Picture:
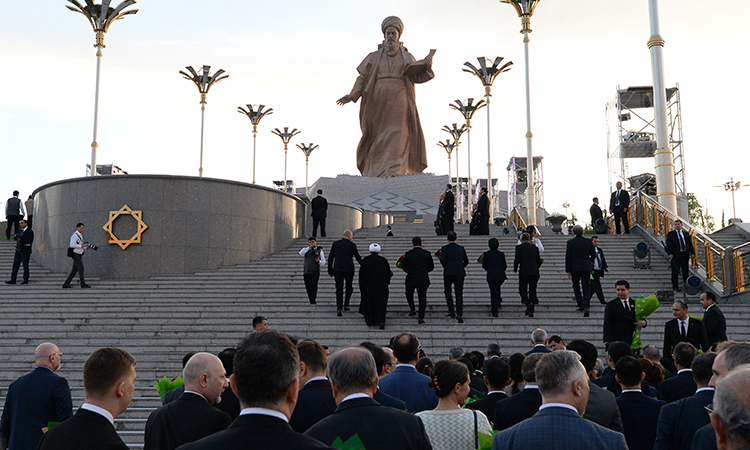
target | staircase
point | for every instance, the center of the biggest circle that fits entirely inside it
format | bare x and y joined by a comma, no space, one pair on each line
159,319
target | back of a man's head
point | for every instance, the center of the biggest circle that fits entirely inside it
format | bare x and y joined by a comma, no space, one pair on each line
731,405
406,347
651,353
539,336
314,356
205,374
452,236
528,367
703,368
104,369
684,354
578,230
617,350
556,372
586,350
629,371
416,241
497,373
493,350
378,355
455,353
227,359
265,366
353,370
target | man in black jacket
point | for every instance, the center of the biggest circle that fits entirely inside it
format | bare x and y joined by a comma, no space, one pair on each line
596,213
618,204
683,329
483,213
417,264
496,377
341,267
453,259
448,210
680,249
713,320
493,261
24,239
319,207
579,257
315,400
523,405
619,316
527,259
600,266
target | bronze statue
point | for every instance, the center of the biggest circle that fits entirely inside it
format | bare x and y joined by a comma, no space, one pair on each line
392,142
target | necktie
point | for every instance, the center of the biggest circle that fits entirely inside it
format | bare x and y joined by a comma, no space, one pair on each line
617,198
626,305
682,329
682,241
598,259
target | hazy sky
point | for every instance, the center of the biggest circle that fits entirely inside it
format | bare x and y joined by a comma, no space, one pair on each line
298,57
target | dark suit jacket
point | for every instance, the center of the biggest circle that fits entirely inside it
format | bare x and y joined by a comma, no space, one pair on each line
538,349
184,420
256,431
340,257
715,325
696,335
596,212
411,387
602,408
493,261
453,258
315,401
417,264
640,414
558,428
27,238
609,382
579,255
528,259
33,400
388,400
483,206
487,405
619,323
86,430
516,408
319,206
704,438
174,394
448,206
672,243
377,426
604,261
230,404
679,386
679,421
624,200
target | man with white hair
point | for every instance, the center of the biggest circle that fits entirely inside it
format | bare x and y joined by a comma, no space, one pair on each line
192,416
563,383
731,412
34,400
374,278
539,339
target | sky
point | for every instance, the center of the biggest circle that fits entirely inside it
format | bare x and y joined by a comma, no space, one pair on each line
298,57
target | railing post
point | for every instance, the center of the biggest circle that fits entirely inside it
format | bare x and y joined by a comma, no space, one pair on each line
739,270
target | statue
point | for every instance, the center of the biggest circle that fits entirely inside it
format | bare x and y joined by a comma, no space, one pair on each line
392,142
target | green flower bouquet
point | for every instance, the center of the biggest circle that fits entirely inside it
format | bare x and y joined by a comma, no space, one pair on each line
644,306
165,385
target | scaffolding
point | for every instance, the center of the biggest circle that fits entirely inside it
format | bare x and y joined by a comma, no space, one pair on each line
517,183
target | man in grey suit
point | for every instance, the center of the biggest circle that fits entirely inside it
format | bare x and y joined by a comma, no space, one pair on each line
563,383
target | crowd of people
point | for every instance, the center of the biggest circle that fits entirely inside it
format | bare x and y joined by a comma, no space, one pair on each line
276,391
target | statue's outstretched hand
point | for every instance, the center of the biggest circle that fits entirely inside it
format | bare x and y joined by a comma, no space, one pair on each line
344,100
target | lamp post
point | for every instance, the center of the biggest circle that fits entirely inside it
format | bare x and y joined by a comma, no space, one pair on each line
448,146
203,82
525,9
285,136
468,111
255,116
732,186
307,149
486,75
455,131
100,17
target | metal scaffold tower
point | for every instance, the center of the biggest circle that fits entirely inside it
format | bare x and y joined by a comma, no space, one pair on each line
517,183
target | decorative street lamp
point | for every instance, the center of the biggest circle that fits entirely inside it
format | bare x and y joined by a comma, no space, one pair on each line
307,149
448,146
732,185
204,81
456,133
100,17
486,75
285,136
468,111
255,116
525,8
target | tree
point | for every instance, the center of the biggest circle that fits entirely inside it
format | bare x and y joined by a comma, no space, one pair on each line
697,217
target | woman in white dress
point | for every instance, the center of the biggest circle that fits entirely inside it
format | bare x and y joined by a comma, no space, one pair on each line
448,426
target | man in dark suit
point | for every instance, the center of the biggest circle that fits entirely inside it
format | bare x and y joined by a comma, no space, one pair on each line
34,400
24,239
404,382
381,361
713,320
601,407
528,260
683,329
639,411
619,316
539,340
680,249
266,380
315,399
596,213
176,393
558,424
190,417
454,260
374,278
319,207
448,207
341,267
600,266
360,418
682,384
678,421
496,377
579,257
483,213
614,352
523,405
619,204
417,264
493,261
229,403
109,383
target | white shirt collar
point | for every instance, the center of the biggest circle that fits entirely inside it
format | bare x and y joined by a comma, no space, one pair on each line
559,405
540,345
315,379
355,395
684,370
196,393
405,365
495,392
631,390
531,386
704,389
98,410
709,306
265,412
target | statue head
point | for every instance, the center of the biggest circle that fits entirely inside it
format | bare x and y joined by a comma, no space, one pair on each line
392,28
392,21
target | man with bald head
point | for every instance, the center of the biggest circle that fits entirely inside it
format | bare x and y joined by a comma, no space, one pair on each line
192,416
34,400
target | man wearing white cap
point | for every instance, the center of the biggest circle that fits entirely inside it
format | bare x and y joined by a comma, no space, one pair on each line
374,278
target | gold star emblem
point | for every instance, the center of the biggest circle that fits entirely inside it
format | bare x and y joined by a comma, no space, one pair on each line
125,210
